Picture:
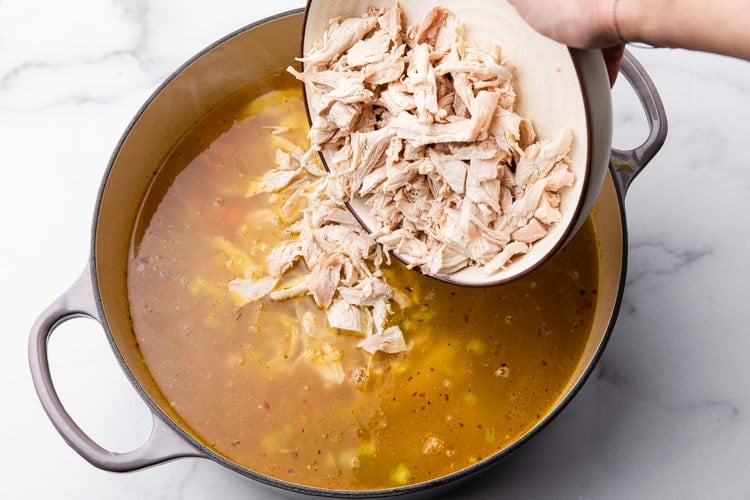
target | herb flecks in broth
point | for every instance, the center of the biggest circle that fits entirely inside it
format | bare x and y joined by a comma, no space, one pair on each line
271,386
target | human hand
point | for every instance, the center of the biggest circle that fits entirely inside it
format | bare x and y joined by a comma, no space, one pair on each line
584,24
688,24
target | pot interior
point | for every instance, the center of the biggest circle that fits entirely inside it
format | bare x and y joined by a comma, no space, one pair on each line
197,88
608,217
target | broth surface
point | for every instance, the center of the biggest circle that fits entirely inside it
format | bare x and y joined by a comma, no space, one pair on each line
485,365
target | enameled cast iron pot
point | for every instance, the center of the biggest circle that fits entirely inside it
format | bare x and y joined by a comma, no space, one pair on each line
101,292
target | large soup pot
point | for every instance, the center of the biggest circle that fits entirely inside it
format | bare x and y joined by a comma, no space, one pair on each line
101,292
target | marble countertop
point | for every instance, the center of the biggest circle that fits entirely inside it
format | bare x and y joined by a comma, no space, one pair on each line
665,413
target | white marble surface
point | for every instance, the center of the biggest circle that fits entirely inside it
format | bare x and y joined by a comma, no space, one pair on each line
666,413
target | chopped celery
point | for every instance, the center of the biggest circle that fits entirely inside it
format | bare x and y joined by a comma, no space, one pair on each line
471,399
424,313
401,474
198,286
366,449
276,441
476,346
489,434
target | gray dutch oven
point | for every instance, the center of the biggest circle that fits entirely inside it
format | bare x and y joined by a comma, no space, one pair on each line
101,293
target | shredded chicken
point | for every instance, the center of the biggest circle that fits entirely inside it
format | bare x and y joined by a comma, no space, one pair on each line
421,122
424,126
340,259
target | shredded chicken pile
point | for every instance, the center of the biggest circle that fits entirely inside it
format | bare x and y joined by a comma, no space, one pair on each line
421,123
341,260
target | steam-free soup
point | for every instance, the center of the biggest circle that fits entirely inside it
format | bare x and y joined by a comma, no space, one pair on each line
258,382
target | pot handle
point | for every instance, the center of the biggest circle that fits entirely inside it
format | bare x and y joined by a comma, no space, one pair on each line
629,163
163,444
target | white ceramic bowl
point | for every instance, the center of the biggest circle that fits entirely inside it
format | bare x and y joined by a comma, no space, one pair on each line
557,88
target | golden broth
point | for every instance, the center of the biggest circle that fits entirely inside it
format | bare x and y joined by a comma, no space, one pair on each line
484,365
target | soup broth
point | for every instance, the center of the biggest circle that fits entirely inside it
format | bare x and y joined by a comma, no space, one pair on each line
259,383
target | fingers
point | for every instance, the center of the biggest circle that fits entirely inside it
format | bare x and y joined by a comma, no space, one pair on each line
585,24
